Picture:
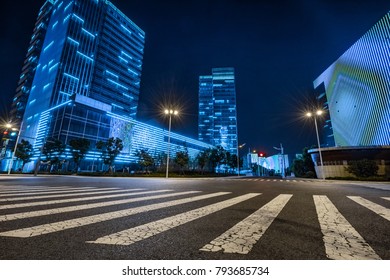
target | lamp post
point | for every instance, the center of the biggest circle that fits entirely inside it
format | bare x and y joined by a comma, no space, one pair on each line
238,158
318,113
8,125
169,112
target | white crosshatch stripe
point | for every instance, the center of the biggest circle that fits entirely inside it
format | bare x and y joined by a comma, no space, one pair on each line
65,190
241,237
38,190
387,198
63,194
132,235
58,201
376,208
74,223
30,214
341,240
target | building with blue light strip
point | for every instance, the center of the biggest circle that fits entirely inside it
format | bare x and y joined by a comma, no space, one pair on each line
86,82
217,122
355,91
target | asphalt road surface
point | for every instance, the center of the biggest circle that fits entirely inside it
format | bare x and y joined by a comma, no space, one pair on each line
69,217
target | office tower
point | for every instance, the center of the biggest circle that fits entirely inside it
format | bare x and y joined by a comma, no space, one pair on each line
356,90
86,82
30,63
91,59
217,123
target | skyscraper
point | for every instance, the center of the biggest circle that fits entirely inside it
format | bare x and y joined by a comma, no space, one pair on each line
91,54
217,123
356,90
84,70
31,61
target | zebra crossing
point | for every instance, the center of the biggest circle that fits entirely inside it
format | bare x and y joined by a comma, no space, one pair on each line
20,203
257,179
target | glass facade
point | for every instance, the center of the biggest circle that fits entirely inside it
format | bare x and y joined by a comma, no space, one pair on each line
217,123
86,81
31,61
357,91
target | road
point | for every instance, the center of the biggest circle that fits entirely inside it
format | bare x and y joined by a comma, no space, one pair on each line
73,217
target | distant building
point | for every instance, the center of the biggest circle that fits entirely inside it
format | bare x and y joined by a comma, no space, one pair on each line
217,123
81,79
355,90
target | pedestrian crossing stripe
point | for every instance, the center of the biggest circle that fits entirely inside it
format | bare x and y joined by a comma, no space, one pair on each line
341,240
376,208
122,193
64,194
24,189
132,235
53,211
241,237
88,220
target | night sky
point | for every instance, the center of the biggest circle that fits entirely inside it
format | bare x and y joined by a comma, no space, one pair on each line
276,47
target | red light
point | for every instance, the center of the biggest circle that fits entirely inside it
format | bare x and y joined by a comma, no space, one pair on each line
261,154
5,132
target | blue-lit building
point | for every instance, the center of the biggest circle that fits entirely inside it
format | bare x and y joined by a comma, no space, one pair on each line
86,82
355,91
217,122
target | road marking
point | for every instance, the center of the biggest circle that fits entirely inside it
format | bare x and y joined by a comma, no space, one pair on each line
61,194
341,240
376,208
243,236
63,190
387,198
36,189
73,223
16,216
50,202
132,235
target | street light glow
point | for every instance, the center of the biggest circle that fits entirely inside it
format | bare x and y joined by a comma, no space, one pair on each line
319,112
8,125
166,112
309,114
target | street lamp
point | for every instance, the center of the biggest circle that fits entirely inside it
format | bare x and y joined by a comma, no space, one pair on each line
169,112
318,113
238,158
8,125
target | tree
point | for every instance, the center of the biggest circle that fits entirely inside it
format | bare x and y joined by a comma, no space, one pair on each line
304,166
232,161
53,149
80,147
145,159
217,156
24,152
363,168
203,159
110,150
182,159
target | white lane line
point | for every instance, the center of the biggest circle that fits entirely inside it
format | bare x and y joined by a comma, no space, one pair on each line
376,208
132,235
50,202
16,216
243,236
65,190
341,240
40,190
63,194
74,223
